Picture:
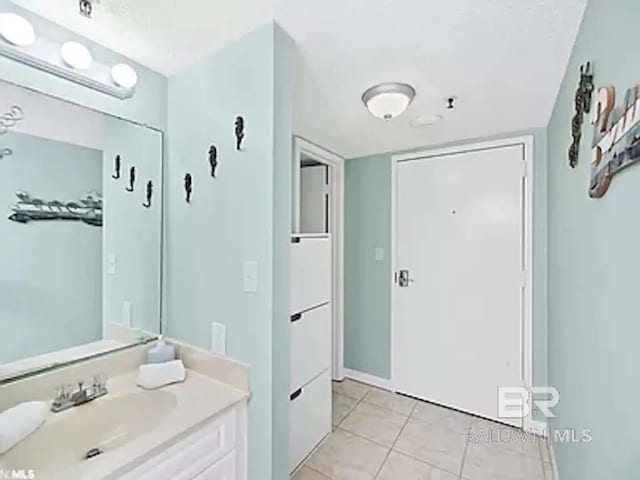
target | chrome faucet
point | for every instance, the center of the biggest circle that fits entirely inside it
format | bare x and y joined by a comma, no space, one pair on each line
67,398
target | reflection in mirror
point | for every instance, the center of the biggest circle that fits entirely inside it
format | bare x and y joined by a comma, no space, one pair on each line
80,256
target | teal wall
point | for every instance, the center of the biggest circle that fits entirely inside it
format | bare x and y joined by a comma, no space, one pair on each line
594,265
147,106
39,313
284,62
367,321
238,216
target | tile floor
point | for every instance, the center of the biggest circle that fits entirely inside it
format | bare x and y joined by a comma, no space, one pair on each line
384,436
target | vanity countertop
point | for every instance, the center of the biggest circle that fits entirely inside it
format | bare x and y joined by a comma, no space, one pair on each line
181,409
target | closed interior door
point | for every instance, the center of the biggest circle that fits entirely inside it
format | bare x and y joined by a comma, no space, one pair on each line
458,321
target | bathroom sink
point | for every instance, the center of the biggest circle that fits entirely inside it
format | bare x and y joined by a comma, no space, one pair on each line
97,427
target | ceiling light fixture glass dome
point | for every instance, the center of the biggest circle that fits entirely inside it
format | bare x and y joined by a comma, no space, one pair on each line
16,30
124,75
388,100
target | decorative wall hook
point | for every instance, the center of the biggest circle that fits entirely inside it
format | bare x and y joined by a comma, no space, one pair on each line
582,104
86,9
450,103
239,132
147,204
117,166
5,152
213,159
132,179
9,119
188,182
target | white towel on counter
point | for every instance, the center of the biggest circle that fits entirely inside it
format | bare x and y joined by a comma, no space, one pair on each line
20,421
156,375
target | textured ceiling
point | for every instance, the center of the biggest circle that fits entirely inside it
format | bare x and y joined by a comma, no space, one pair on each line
503,59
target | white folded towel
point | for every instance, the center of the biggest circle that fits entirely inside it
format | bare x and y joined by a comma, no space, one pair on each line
21,421
156,375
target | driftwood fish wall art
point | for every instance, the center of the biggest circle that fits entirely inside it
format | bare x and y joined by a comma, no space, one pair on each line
188,187
616,141
31,209
213,159
239,132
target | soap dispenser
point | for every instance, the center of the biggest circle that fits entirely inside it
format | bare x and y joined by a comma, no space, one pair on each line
161,352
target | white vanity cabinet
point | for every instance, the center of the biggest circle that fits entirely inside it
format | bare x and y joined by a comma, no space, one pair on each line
215,450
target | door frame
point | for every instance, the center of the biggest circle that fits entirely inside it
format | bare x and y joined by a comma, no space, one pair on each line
336,164
527,141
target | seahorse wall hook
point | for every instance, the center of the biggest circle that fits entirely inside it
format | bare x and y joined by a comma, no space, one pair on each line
117,166
132,179
213,159
188,182
239,132
147,204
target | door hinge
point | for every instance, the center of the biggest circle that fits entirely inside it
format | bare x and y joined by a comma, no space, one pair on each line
523,278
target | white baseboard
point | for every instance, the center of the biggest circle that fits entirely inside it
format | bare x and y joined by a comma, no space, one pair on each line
554,465
369,379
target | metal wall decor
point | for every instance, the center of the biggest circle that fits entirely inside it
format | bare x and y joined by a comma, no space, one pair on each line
86,9
117,166
582,103
132,179
188,187
616,140
30,209
147,203
239,132
5,152
10,118
213,159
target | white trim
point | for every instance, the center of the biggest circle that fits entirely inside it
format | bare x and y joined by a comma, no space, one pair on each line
301,146
369,379
554,463
527,297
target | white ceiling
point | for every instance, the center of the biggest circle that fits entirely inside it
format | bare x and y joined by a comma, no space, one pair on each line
504,59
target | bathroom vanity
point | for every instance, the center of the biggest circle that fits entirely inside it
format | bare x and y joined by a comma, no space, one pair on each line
191,430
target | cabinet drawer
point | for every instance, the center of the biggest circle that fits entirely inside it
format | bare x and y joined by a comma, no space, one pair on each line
183,460
311,267
225,469
310,420
310,345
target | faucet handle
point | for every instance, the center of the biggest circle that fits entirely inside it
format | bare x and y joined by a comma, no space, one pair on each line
63,392
99,381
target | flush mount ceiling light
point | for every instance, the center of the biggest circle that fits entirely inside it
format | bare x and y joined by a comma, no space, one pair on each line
16,30
124,76
76,55
388,100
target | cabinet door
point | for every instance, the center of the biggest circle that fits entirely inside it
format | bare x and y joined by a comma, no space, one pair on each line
310,345
225,469
311,267
310,422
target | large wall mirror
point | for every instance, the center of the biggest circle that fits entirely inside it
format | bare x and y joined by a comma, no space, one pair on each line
80,232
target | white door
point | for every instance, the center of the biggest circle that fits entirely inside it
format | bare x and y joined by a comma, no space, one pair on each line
457,333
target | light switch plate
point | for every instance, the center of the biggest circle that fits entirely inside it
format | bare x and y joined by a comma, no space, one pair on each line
218,338
250,275
379,254
111,263
126,313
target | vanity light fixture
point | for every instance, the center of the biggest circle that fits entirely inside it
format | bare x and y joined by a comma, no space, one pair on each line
388,100
71,61
16,30
76,55
124,76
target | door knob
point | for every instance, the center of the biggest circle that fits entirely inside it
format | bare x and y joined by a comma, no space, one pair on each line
403,278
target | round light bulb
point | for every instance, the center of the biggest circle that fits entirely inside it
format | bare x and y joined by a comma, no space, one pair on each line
124,75
76,55
16,30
